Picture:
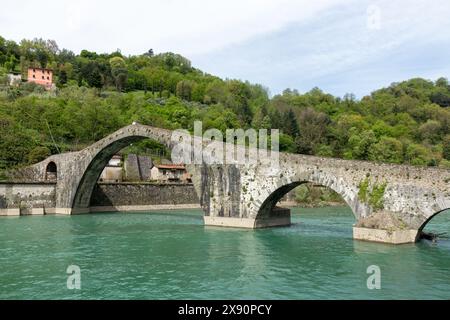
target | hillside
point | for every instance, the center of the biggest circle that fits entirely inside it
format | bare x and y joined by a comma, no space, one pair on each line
407,122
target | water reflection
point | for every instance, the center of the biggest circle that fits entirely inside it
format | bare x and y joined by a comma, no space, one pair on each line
164,255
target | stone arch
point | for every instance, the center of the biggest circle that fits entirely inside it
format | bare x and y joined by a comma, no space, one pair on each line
283,186
51,171
424,224
94,169
101,152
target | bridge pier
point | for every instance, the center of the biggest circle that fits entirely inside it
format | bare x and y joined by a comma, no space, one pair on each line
247,223
387,227
67,211
281,217
386,236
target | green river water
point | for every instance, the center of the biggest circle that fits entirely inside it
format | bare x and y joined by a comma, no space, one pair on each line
171,255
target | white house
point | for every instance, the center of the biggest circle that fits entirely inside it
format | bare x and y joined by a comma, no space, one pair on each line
170,172
14,79
113,170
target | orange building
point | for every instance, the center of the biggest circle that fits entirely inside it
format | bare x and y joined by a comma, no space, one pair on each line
41,76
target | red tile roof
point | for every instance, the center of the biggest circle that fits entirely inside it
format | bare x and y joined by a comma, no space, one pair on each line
171,166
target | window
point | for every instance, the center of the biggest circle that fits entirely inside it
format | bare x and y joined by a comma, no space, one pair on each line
51,172
43,77
48,78
34,76
34,70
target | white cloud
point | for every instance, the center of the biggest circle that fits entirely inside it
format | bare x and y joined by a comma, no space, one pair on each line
189,27
347,42
340,44
279,43
73,17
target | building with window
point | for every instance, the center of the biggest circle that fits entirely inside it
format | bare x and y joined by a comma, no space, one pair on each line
170,173
14,79
113,170
41,76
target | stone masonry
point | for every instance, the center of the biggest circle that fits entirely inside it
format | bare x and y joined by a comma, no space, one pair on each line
396,199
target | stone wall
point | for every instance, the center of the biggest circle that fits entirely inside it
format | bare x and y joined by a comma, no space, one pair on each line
26,198
135,194
39,198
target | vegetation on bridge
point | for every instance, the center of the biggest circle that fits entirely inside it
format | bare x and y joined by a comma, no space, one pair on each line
372,193
407,122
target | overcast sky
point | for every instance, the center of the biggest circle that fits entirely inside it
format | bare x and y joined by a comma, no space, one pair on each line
339,46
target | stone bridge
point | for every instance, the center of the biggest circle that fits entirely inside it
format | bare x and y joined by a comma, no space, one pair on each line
391,203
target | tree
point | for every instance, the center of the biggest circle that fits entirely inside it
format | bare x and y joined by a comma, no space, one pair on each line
16,143
360,144
215,92
417,154
184,89
38,154
276,119
442,82
238,100
324,150
286,143
42,57
119,72
441,99
312,130
10,65
65,56
446,147
62,79
387,150
91,74
261,119
266,123
430,131
290,124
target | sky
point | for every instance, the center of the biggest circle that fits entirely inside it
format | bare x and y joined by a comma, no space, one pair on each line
340,46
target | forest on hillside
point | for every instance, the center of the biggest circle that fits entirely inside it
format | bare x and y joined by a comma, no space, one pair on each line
407,122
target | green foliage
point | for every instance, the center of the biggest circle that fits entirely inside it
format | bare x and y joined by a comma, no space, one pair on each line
360,144
290,124
446,147
407,122
38,154
309,194
148,147
324,150
312,130
184,89
372,193
387,150
118,71
287,144
363,192
417,154
15,142
376,196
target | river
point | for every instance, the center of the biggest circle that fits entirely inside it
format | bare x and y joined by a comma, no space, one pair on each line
171,255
